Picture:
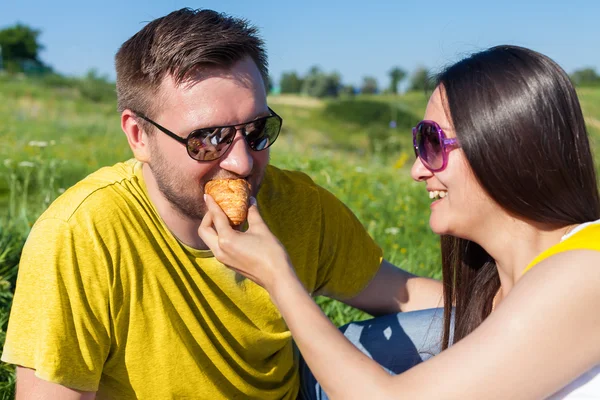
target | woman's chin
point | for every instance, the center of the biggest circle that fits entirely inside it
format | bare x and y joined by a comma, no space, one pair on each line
438,227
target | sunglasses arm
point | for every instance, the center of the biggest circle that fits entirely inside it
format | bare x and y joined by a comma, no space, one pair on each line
164,130
450,144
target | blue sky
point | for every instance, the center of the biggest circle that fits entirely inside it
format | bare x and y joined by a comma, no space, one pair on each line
355,38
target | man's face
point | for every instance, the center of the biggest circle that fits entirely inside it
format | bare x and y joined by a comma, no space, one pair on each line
208,99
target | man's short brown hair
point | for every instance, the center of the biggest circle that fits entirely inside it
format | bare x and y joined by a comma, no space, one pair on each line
178,44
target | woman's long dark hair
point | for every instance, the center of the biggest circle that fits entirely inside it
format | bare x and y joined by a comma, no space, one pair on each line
520,126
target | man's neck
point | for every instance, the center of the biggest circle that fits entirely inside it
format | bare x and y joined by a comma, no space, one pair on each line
182,227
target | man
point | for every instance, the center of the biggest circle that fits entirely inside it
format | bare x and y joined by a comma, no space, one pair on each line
117,296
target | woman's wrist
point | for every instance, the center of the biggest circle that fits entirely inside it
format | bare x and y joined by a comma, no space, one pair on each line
282,280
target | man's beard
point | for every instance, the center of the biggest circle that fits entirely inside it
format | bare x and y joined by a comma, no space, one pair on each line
190,203
176,192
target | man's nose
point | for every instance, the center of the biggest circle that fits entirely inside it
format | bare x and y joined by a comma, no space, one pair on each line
238,158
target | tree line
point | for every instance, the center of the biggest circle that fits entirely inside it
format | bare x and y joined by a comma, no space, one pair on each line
20,53
317,83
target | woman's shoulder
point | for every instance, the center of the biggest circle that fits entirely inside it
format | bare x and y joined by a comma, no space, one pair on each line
573,261
576,255
571,276
577,252
568,274
560,295
584,238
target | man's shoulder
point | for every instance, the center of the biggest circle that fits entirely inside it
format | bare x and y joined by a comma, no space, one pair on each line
283,188
277,177
96,193
293,195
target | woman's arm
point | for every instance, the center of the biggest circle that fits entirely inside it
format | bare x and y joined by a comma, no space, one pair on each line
29,386
542,336
343,371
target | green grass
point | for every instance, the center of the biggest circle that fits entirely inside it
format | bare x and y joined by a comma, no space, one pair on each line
53,137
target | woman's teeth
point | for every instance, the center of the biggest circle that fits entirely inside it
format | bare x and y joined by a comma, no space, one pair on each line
437,194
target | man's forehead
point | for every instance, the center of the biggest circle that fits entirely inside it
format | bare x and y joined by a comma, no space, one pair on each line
211,98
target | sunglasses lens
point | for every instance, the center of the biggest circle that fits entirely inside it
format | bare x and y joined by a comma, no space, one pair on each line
209,144
261,133
429,145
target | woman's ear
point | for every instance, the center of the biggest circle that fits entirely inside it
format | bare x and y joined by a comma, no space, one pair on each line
136,136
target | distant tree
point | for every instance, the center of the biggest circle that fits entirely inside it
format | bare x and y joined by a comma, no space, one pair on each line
347,90
290,82
313,81
397,75
314,70
369,85
421,79
585,77
335,83
20,47
319,84
96,87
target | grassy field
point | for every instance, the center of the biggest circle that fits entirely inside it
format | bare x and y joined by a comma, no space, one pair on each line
53,137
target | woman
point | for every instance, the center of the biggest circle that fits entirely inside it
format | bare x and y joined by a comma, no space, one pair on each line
504,153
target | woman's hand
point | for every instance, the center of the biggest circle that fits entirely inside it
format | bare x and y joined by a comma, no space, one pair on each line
256,253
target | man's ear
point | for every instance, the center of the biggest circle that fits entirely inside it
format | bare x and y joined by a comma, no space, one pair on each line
136,136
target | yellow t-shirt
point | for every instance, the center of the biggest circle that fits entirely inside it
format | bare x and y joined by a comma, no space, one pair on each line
108,300
584,237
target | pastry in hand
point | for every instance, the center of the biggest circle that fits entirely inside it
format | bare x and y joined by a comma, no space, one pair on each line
232,196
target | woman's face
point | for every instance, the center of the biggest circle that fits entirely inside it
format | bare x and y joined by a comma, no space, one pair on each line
459,204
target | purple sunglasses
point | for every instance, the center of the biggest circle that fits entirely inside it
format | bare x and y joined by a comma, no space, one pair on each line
432,146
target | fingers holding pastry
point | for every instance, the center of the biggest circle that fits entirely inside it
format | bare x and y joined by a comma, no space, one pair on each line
232,196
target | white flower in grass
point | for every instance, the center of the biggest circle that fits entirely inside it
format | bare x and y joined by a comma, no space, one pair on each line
392,231
52,142
61,190
7,162
26,164
38,143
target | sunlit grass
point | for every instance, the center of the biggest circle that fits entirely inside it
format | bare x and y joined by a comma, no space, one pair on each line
52,138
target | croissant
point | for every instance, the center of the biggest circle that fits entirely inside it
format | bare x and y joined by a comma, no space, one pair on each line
232,196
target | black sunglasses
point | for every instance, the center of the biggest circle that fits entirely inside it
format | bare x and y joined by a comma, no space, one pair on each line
208,144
